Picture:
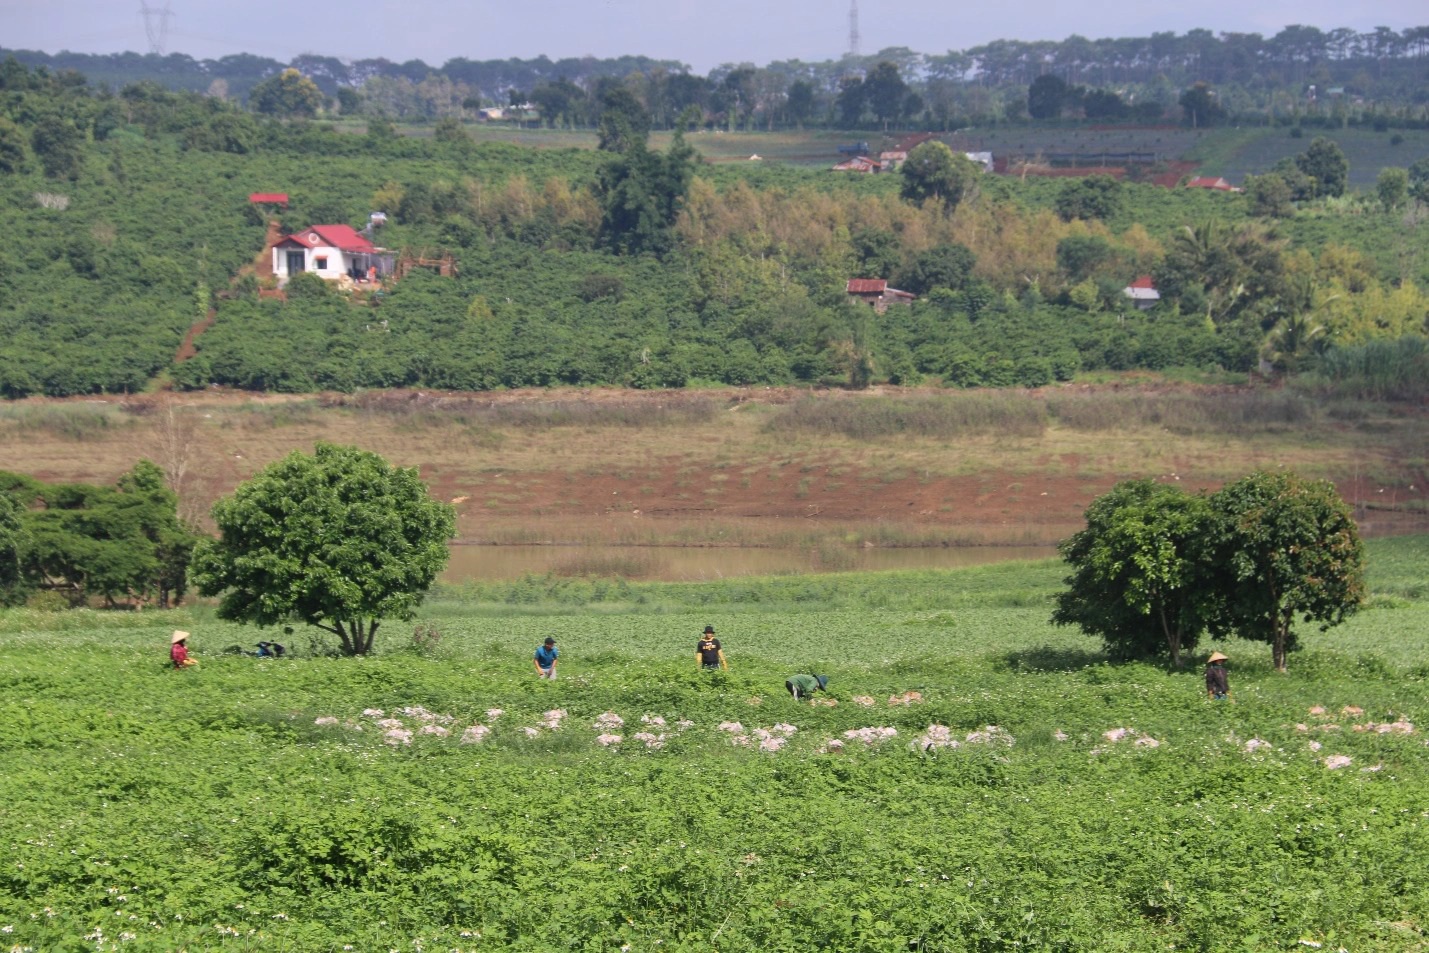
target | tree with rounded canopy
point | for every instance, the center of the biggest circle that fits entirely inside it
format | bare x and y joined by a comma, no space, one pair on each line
885,92
1139,570
933,171
1046,96
288,93
1286,547
338,539
1325,162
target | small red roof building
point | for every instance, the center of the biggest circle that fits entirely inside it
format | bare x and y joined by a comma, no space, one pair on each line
1206,182
866,286
875,291
1143,292
269,198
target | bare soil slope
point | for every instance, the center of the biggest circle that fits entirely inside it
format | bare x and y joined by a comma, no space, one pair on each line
632,473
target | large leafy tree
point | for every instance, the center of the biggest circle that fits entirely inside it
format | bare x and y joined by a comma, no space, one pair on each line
1091,197
11,537
933,171
1139,570
1325,163
642,191
886,92
120,542
1199,107
288,93
1287,547
1046,97
59,144
337,539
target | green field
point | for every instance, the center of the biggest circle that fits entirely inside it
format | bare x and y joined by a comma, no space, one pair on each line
261,805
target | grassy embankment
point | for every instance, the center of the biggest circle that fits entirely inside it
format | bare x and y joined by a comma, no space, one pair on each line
1113,807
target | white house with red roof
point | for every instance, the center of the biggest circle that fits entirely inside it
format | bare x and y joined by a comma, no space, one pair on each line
330,251
1143,292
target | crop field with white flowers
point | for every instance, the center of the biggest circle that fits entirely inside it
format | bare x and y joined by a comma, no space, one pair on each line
974,780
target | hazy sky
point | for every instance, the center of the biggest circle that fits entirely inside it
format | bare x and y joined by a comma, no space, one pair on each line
700,34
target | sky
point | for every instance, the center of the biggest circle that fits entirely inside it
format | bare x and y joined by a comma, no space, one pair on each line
702,35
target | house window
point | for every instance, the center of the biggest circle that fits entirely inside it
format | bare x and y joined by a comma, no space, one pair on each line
320,264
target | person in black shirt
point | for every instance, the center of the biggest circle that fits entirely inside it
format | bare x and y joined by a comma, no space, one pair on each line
708,652
1217,685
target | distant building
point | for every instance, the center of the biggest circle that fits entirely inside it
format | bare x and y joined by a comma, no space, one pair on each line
859,164
279,199
1206,182
983,159
329,251
1143,293
876,293
892,160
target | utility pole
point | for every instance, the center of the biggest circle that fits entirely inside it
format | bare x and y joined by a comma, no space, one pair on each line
156,25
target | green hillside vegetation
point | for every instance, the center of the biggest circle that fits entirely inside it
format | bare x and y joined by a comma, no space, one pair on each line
976,786
632,265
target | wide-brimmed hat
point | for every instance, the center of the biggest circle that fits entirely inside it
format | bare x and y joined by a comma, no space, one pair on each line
1217,657
709,630
178,636
823,681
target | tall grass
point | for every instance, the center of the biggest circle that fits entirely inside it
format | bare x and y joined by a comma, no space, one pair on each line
474,412
1233,412
1379,370
1022,414
75,422
939,416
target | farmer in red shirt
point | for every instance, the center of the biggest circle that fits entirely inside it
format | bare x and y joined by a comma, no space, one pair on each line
179,651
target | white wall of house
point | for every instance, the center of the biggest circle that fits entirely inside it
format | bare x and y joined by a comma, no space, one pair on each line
323,260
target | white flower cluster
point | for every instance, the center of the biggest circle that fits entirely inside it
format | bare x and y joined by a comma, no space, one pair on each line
1117,735
765,739
871,736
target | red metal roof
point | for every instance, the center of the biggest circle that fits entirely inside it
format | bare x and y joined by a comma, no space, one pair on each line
335,236
866,286
269,198
1143,282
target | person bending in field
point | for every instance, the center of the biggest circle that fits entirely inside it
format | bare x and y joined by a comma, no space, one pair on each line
546,657
1217,684
804,686
179,650
708,652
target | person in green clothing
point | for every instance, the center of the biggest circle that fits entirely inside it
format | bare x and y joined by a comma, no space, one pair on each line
803,686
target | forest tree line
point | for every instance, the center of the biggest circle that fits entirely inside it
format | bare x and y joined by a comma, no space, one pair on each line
1299,71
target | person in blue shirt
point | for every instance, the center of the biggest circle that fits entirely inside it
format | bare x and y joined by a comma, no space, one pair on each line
546,656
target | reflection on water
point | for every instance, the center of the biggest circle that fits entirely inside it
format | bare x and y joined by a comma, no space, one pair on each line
680,564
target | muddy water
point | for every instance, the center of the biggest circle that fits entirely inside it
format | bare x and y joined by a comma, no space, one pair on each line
697,563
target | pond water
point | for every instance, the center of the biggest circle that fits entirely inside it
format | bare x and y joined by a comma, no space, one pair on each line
685,564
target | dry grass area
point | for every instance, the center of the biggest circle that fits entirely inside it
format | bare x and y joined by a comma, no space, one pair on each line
753,467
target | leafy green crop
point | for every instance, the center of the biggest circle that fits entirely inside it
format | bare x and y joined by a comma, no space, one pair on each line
238,805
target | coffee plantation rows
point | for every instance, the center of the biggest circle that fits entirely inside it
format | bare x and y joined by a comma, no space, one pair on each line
976,779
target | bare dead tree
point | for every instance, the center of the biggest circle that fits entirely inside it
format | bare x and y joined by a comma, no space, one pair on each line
175,438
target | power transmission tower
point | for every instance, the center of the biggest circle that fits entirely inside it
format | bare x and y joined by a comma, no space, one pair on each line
853,28
156,25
